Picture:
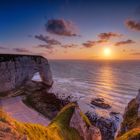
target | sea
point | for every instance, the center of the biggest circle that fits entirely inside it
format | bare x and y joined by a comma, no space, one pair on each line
117,82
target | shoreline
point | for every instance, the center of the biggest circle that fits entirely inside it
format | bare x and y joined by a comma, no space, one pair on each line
15,107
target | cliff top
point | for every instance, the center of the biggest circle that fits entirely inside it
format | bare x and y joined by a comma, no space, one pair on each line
7,57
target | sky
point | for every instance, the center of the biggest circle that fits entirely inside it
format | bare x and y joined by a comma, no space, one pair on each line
71,29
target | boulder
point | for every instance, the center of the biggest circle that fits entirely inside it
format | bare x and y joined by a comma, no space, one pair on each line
100,102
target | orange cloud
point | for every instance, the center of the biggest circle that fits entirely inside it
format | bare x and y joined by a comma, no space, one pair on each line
126,42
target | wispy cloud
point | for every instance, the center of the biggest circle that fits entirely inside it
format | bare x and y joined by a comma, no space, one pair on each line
90,44
61,27
46,46
52,43
47,40
132,24
103,38
69,46
108,35
125,42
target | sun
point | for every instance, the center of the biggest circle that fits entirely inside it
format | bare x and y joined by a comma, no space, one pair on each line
107,51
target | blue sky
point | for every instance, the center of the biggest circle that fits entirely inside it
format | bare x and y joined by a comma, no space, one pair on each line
21,20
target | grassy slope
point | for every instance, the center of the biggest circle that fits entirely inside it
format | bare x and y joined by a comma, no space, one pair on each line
130,128
58,129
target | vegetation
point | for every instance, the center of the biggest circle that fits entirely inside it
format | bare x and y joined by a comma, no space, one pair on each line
133,134
131,119
60,124
130,129
85,119
59,128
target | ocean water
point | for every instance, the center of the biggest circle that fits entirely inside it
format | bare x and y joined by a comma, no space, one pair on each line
115,81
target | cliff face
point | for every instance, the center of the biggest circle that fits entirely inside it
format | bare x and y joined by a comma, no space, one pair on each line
130,127
17,69
80,122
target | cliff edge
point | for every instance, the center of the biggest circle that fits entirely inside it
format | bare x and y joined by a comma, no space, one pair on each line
130,127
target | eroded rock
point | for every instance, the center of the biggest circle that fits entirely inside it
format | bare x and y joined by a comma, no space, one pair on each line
15,70
107,126
130,127
100,102
85,129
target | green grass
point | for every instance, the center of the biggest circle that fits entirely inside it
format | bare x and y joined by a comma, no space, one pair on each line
130,129
131,119
60,124
58,129
85,119
32,131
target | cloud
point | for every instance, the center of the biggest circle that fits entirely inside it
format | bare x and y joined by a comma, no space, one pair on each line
126,42
134,25
108,35
46,46
52,47
47,40
136,53
90,44
50,43
21,50
69,45
61,27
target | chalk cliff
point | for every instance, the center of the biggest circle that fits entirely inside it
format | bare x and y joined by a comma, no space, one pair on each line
15,70
130,127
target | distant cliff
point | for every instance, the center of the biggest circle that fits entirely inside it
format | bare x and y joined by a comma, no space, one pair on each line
15,70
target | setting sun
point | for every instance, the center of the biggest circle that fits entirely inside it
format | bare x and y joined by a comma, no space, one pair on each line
107,51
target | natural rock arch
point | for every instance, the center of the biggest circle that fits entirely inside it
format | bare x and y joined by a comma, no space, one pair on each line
15,70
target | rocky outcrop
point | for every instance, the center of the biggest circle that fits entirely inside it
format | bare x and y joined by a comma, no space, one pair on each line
107,126
15,70
130,127
50,105
81,123
100,102
138,102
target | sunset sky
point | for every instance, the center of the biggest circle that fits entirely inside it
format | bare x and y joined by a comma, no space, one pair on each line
71,29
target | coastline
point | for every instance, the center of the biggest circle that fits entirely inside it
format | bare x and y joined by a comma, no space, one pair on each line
15,107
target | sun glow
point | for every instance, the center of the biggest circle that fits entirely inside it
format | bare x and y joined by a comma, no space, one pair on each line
107,52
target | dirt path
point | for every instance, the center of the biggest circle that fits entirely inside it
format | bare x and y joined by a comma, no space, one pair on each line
18,110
